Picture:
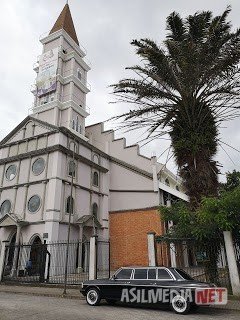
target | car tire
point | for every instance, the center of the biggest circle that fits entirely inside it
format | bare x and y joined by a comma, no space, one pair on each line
111,302
93,297
180,304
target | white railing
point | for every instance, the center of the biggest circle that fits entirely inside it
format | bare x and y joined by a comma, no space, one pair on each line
62,99
46,34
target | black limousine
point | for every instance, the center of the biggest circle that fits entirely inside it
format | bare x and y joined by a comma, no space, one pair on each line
162,285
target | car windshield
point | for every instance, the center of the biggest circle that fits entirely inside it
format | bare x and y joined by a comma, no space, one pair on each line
123,274
184,274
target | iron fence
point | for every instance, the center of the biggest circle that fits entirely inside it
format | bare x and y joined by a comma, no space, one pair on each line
45,263
202,262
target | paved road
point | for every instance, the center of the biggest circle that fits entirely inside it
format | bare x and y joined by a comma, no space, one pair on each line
26,307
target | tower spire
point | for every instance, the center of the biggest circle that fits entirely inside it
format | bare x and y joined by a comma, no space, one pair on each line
65,22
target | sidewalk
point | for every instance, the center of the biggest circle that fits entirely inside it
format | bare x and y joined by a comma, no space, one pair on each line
47,291
73,293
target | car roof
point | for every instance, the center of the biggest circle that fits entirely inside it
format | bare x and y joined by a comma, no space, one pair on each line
144,267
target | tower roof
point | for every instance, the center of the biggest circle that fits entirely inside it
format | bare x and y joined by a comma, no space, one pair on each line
65,22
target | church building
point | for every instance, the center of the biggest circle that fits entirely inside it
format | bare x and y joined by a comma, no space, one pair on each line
116,190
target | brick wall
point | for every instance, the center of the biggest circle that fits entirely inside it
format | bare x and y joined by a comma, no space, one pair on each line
128,236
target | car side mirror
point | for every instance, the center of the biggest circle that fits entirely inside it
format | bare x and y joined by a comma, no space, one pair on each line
114,277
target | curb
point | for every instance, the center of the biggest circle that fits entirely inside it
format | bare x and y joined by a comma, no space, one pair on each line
52,295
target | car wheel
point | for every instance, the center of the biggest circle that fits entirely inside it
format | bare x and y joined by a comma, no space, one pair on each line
111,301
93,297
180,305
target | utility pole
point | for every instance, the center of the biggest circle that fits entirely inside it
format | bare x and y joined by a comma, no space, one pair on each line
73,169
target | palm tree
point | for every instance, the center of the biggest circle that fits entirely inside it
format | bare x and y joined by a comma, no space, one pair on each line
186,88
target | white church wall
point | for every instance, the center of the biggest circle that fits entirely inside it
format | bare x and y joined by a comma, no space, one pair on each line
53,196
24,170
66,69
2,172
125,179
13,150
18,136
47,116
82,202
79,95
23,146
53,139
132,200
36,189
63,229
4,152
32,145
20,201
51,45
84,174
65,93
29,129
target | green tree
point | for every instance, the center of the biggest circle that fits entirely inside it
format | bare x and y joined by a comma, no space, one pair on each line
233,181
186,88
206,224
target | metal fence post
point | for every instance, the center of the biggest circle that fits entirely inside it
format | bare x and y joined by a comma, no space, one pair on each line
151,249
93,258
232,264
2,257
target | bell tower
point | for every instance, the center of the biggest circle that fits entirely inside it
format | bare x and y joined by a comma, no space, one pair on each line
61,84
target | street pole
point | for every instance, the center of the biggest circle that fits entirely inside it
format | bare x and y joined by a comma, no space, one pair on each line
69,219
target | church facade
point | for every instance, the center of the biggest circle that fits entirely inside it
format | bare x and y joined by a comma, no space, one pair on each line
116,191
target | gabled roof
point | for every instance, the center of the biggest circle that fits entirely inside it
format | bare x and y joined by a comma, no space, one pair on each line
12,220
21,124
88,221
65,22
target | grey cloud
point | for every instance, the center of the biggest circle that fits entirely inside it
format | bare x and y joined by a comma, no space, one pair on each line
105,28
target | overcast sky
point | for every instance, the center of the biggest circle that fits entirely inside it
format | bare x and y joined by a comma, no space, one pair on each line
105,28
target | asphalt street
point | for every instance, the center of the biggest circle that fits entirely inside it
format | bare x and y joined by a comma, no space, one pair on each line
18,306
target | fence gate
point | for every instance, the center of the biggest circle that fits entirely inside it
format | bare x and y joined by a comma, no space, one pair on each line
202,262
45,263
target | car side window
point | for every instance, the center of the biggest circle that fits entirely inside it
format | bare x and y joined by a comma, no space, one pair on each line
163,275
140,274
124,274
152,274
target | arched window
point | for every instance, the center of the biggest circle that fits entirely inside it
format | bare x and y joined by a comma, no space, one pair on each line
95,209
5,207
167,182
77,124
96,158
95,179
71,168
79,74
70,205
